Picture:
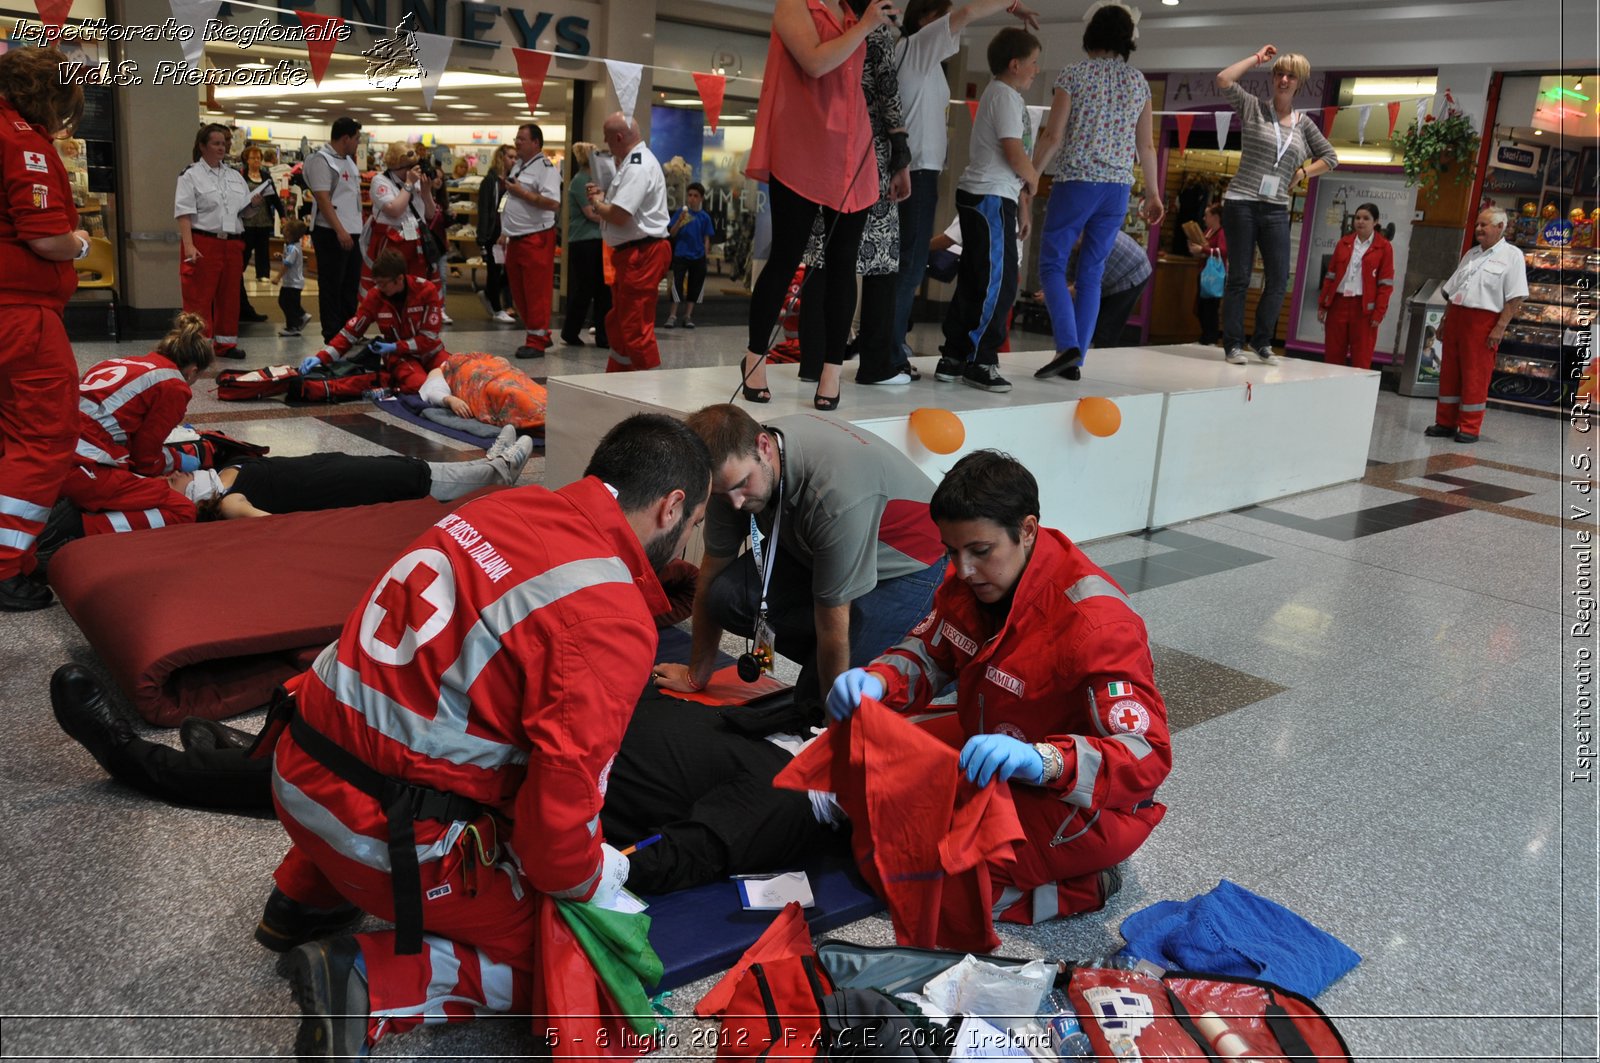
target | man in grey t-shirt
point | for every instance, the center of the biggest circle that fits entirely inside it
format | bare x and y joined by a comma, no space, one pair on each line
334,178
857,558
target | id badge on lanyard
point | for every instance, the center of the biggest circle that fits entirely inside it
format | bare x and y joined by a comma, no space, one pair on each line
765,639
1269,183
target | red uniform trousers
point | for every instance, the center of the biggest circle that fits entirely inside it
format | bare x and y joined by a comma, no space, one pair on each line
211,287
631,324
1349,333
480,924
531,271
116,500
38,426
1064,879
1467,366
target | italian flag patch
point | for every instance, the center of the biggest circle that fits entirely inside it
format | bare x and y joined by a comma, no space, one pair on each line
1119,690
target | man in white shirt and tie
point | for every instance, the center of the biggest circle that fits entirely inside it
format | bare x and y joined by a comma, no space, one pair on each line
528,232
633,223
1485,293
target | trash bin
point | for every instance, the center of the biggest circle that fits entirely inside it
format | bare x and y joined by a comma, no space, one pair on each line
1419,369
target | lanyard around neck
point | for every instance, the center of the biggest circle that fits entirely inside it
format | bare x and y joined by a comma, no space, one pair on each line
764,564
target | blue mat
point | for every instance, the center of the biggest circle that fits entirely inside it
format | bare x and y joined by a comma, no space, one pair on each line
409,408
705,930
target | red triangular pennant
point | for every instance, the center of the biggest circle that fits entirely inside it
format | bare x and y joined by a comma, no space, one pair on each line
53,13
532,66
1394,116
711,88
1328,115
1185,123
972,109
322,34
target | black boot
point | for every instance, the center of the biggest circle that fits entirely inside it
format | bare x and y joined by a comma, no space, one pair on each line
286,923
332,994
200,734
19,594
86,712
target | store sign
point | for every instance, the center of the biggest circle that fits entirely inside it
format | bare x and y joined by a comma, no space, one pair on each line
562,28
1187,92
1522,159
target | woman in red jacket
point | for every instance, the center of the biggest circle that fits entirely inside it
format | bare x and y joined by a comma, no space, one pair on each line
1355,292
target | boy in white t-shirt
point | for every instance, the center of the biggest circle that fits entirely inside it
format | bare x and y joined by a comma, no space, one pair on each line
999,172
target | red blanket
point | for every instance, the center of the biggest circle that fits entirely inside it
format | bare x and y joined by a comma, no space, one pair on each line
205,619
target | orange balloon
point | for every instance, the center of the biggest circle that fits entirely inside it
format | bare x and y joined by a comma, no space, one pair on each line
1099,416
939,430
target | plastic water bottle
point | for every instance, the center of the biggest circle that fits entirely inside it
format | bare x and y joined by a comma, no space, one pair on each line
1060,1021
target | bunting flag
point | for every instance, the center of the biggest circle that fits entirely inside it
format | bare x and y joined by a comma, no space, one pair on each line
433,55
53,13
194,14
972,109
625,79
1185,124
1036,121
1328,115
711,87
1394,116
1422,110
531,68
322,34
1224,122
1362,115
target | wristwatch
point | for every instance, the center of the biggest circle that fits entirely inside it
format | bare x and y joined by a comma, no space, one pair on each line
83,249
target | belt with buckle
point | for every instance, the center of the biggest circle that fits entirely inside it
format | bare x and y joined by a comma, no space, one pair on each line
639,242
217,236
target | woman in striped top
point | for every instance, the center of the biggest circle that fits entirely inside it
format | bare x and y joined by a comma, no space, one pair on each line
1280,147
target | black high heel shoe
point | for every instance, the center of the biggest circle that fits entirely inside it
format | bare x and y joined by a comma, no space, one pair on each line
826,405
751,394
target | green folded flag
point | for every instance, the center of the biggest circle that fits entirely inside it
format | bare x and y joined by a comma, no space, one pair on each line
618,944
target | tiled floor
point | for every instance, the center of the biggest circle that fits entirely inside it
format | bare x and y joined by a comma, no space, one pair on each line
1372,688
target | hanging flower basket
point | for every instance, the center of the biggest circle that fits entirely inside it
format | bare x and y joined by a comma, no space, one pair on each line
1439,150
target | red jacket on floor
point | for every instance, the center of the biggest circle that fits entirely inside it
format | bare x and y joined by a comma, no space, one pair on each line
126,409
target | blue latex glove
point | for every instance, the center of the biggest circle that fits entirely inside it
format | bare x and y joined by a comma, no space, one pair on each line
311,362
849,689
986,757
380,347
188,463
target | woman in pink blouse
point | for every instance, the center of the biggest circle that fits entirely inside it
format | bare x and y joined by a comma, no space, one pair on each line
813,148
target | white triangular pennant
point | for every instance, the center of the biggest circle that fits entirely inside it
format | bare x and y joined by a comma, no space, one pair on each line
625,83
1036,121
433,54
1224,122
196,14
1422,110
1361,123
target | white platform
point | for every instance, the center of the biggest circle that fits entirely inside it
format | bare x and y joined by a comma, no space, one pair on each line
1191,442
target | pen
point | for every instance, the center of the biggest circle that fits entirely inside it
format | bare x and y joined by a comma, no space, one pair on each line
643,843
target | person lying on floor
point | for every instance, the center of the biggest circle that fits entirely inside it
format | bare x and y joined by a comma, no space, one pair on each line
697,776
263,486
409,311
487,388
1055,688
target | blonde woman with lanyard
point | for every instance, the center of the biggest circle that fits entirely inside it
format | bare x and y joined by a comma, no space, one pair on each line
401,209
1280,147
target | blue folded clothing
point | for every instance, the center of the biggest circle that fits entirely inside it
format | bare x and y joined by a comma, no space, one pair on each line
1233,931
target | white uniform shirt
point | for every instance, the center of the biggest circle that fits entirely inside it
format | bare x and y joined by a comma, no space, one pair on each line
214,198
1351,283
640,188
328,171
518,217
924,91
410,221
1487,280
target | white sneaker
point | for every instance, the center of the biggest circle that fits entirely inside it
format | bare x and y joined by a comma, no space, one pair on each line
447,318
503,442
1234,356
503,318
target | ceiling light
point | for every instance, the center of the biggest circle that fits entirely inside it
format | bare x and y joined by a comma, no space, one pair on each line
1170,3
332,101
442,96
460,106
1538,132
1393,88
524,95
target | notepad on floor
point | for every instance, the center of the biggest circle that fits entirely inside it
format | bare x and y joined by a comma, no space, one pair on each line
773,892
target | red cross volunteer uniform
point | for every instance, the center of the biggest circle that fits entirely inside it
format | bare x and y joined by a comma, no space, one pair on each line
1355,293
37,370
1068,667
530,232
1478,291
212,198
640,256
497,664
410,320
402,233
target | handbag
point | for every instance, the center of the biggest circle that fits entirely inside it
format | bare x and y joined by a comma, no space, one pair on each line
431,249
1214,277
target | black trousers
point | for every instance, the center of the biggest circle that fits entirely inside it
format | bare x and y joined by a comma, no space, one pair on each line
289,303
1208,311
1115,309
833,288
688,280
975,326
258,245
224,779
586,290
881,356
338,279
496,284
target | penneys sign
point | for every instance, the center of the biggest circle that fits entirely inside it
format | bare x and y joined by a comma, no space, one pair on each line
563,28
